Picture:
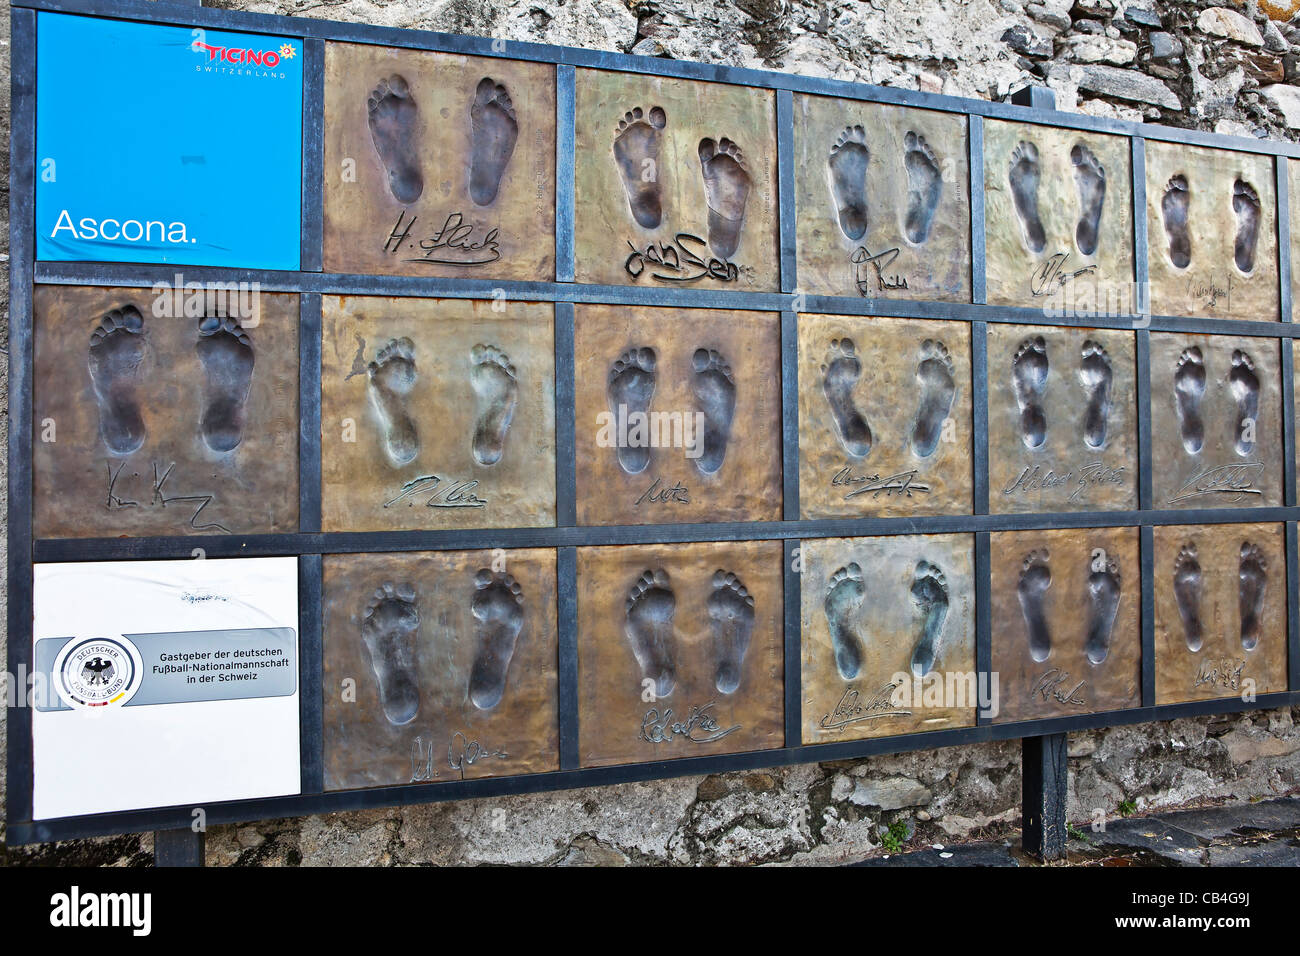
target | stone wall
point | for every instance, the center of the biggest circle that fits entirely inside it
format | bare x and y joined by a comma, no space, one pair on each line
1226,68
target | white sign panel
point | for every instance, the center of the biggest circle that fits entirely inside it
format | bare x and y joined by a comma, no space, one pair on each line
165,683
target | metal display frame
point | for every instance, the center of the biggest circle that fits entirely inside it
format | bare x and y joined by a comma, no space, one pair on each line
310,543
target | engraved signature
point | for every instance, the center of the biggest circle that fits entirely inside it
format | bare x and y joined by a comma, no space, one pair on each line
1225,671
1050,686
1035,478
1210,293
1051,275
159,498
852,708
878,263
657,493
1236,479
452,244
442,493
461,753
699,727
902,484
676,257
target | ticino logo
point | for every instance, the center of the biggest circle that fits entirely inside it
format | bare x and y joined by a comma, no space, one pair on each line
237,55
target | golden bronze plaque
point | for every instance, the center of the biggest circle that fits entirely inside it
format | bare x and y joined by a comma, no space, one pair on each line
439,666
1059,219
679,651
1211,233
888,636
883,196
438,164
1066,611
678,415
1293,189
165,411
1216,428
436,413
1062,419
884,417
675,184
1220,615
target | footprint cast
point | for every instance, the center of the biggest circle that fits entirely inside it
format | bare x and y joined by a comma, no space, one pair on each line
731,617
1189,388
1103,603
715,397
498,609
1035,581
1029,368
648,626
840,375
393,120
115,360
726,191
1095,376
493,132
1173,209
631,386
496,393
930,599
1187,595
225,352
847,166
1245,203
844,597
392,376
1252,576
389,626
637,142
1244,385
1090,178
1023,177
924,184
934,372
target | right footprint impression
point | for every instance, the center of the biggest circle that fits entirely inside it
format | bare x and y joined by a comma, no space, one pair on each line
648,627
1029,370
731,616
1252,576
1090,178
844,596
1035,580
726,190
1245,203
924,183
496,392
1187,595
715,397
115,357
636,151
498,607
389,627
1095,377
392,376
493,131
934,372
226,354
930,598
1244,384
840,375
393,131
1103,603
631,386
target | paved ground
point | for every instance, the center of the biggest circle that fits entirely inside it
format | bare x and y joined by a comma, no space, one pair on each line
1255,834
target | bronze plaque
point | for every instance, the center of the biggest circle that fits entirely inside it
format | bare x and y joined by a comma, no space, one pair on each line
438,164
436,413
883,194
675,183
888,636
1220,615
1062,419
1216,427
884,417
1211,233
679,650
438,665
164,412
1059,219
1066,633
678,415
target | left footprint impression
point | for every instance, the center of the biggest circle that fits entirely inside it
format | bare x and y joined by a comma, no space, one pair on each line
225,351
390,625
394,131
392,376
115,360
498,609
629,390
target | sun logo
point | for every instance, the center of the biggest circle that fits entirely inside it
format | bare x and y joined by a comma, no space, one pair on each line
288,52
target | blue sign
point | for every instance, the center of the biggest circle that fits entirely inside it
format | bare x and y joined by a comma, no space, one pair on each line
167,144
